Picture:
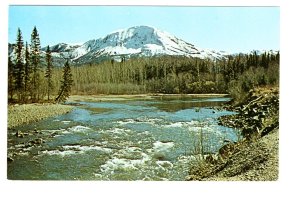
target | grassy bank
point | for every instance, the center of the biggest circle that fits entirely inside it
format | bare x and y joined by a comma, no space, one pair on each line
27,113
255,156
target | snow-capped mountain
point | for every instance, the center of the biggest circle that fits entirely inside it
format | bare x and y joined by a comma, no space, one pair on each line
62,47
61,51
138,41
132,42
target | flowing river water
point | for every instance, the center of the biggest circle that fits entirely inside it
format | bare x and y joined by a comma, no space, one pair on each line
119,140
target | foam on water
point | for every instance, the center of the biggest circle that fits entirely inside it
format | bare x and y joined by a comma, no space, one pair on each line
162,146
164,164
127,121
116,130
182,124
128,143
133,149
65,132
174,125
122,163
138,120
26,153
161,149
144,133
87,148
195,129
79,129
75,149
61,153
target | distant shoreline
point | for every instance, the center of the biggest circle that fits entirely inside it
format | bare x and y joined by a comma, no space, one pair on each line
20,114
120,97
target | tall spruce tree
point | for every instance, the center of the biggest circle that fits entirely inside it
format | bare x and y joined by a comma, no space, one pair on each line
278,57
66,84
19,66
48,74
35,61
10,78
27,71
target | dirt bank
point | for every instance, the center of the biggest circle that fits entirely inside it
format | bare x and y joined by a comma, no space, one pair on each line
255,157
257,161
27,113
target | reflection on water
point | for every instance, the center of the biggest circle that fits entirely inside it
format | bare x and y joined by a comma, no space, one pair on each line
120,140
181,103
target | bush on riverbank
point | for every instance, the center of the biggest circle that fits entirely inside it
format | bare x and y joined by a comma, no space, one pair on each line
259,113
251,79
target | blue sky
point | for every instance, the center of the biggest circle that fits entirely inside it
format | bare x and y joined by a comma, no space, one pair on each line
233,29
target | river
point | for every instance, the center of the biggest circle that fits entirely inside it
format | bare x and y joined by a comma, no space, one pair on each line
151,139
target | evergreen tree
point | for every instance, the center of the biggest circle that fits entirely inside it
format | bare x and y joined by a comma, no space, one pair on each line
35,61
66,84
278,57
10,78
268,59
19,66
255,59
48,73
27,71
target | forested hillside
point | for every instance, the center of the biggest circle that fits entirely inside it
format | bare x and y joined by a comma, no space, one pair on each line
32,78
178,75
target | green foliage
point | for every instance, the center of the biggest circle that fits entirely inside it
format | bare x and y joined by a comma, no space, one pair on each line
235,75
252,78
245,72
25,81
164,74
19,66
35,61
28,71
10,78
174,74
48,73
66,84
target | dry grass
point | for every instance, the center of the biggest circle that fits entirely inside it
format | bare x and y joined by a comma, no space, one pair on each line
257,161
27,113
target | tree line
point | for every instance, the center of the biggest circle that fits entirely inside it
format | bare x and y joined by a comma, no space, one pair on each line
178,75
28,80
33,78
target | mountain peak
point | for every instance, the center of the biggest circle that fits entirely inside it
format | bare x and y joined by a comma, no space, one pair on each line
136,41
138,28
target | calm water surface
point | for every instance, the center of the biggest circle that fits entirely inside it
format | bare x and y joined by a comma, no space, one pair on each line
118,140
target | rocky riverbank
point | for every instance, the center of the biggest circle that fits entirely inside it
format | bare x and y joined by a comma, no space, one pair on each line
27,113
258,114
255,157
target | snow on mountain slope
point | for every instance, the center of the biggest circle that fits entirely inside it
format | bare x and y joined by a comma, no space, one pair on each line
134,41
262,51
61,47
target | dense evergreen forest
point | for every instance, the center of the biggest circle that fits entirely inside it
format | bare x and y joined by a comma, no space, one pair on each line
31,81
32,77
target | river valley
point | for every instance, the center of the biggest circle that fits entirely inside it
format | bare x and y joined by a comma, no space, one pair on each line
144,139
